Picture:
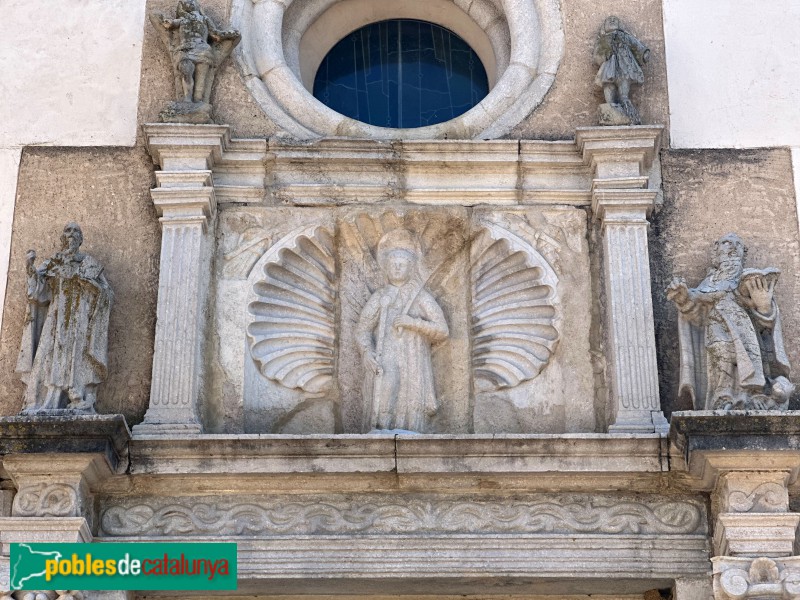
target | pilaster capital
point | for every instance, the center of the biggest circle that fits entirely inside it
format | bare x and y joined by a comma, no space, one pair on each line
753,492
184,198
623,206
186,147
55,485
619,152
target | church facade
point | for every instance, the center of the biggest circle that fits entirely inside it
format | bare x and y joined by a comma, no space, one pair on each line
483,298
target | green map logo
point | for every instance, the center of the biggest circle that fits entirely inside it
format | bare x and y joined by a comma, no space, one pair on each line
123,566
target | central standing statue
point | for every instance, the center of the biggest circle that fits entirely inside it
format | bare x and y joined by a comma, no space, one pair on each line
732,354
395,331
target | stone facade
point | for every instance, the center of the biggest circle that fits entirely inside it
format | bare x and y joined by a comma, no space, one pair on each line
443,361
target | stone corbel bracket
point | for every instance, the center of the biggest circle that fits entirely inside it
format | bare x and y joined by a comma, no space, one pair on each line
708,444
747,460
56,464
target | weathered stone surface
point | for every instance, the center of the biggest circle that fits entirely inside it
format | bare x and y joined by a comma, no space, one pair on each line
197,48
620,56
64,354
620,458
107,435
762,577
108,192
731,324
561,396
413,514
346,241
572,101
708,193
568,103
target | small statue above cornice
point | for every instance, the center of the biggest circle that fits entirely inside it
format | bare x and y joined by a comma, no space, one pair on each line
197,48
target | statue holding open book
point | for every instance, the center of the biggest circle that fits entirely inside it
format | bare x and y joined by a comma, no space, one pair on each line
731,341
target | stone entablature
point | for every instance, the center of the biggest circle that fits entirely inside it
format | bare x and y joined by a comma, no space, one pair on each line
337,171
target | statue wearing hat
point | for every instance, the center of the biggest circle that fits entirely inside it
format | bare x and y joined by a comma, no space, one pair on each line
395,331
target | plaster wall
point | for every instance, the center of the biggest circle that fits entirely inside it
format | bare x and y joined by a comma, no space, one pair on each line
9,164
796,172
733,70
70,75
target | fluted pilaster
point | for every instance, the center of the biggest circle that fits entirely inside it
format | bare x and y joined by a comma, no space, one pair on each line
185,200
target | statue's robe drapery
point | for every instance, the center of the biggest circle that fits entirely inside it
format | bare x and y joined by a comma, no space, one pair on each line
619,55
403,396
756,339
67,348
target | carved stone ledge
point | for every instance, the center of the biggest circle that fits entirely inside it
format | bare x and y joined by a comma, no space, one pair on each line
763,578
619,152
708,444
181,147
106,435
446,454
15,530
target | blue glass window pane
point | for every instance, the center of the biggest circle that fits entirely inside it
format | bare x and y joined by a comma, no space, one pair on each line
401,73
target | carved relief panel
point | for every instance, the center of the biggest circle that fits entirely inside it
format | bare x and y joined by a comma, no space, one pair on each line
447,320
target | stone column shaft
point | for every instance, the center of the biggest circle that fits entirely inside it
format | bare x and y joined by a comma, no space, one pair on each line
186,202
631,334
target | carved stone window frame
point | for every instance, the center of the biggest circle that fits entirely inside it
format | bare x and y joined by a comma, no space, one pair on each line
521,43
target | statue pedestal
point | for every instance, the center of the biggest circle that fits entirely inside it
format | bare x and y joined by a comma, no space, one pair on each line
747,460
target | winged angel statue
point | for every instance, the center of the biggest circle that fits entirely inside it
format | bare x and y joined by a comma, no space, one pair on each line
406,271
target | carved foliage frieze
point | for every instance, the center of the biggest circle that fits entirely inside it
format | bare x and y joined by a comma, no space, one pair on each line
403,516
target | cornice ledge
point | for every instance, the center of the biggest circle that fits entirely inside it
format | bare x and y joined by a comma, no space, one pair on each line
106,435
441,454
715,442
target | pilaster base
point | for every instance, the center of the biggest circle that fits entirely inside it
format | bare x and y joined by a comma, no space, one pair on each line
166,429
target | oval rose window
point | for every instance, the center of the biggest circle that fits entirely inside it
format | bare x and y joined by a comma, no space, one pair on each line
401,73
